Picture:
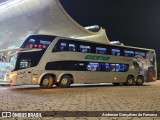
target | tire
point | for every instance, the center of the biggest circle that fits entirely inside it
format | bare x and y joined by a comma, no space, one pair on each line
65,81
140,81
116,84
130,81
47,81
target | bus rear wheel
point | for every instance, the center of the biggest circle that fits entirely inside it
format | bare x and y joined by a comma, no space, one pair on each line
130,81
47,81
65,82
140,81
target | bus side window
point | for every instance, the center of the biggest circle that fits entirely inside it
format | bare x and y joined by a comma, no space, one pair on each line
85,48
72,47
128,53
108,68
61,45
112,67
116,52
126,67
103,67
122,67
140,53
93,67
100,50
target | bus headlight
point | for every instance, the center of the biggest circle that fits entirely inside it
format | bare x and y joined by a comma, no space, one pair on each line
13,74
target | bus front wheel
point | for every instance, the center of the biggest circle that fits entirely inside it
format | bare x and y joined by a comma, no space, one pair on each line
65,81
47,81
130,81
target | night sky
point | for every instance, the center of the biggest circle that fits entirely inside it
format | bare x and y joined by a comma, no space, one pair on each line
132,22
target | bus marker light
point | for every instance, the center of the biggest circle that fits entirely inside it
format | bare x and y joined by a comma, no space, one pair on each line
58,80
34,78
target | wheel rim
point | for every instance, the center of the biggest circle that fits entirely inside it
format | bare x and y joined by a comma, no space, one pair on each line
130,81
64,81
139,81
45,82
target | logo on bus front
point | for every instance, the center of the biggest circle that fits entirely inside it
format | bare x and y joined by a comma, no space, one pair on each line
94,57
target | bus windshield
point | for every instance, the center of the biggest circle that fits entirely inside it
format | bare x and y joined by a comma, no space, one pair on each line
25,60
13,60
38,41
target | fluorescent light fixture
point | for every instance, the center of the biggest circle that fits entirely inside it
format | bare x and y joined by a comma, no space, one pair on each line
92,27
9,3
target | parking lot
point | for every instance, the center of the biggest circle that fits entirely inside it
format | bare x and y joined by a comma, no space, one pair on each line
103,97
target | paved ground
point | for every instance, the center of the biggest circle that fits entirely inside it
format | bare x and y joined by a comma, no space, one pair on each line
105,97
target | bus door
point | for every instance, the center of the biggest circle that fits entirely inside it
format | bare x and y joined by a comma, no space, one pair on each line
24,76
25,73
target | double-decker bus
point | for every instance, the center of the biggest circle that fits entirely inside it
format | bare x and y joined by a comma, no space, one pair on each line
51,60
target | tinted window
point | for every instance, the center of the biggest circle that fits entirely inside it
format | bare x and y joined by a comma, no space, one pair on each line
61,46
109,67
28,59
93,66
129,53
101,50
25,63
72,47
140,53
121,67
86,66
115,52
85,48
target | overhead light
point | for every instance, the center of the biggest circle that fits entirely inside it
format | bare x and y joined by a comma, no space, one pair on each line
92,27
9,3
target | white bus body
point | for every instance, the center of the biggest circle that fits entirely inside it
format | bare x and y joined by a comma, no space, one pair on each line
63,61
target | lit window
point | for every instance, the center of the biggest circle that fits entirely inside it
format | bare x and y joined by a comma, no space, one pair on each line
93,67
140,53
63,47
116,52
25,64
86,49
112,67
72,47
100,50
128,53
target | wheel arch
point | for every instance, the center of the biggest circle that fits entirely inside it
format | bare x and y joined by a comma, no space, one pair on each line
131,75
63,74
43,75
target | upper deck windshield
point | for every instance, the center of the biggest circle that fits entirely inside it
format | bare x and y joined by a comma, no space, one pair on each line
27,59
38,41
